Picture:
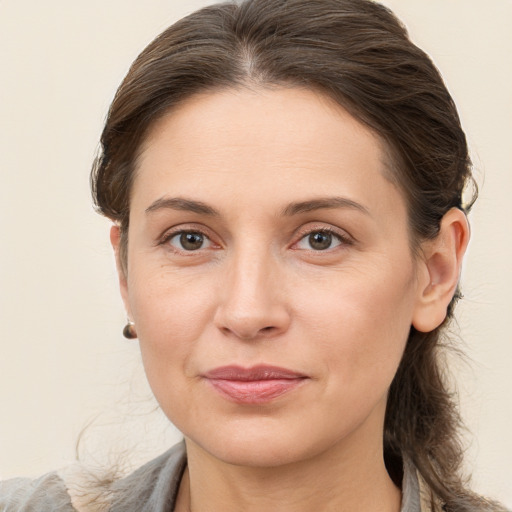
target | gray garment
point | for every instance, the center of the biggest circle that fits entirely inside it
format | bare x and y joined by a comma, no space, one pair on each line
151,488
46,494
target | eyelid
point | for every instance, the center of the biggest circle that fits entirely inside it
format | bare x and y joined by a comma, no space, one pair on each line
308,229
206,243
305,230
170,233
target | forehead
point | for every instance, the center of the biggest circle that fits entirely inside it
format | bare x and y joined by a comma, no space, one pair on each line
263,141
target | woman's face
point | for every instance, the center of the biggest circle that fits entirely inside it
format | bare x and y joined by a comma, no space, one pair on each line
270,276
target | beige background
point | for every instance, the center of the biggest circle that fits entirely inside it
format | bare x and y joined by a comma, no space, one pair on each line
63,361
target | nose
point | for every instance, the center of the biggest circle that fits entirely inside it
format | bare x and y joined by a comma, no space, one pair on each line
254,302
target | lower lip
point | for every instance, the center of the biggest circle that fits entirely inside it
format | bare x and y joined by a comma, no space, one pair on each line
254,391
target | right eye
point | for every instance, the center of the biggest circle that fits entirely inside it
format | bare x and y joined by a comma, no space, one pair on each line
189,241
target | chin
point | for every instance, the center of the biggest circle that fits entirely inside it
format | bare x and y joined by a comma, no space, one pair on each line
262,446
257,454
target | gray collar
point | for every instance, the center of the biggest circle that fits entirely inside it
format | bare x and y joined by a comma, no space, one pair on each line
410,489
154,486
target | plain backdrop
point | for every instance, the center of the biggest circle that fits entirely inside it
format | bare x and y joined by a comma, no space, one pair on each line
63,362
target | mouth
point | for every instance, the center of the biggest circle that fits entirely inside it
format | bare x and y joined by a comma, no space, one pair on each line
256,385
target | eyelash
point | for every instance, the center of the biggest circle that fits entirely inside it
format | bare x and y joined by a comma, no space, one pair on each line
342,239
180,232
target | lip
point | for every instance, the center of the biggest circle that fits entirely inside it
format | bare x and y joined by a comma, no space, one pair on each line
255,385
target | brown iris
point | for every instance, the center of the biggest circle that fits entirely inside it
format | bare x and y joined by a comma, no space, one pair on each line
191,241
320,240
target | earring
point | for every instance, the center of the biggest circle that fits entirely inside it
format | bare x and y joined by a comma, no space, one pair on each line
129,330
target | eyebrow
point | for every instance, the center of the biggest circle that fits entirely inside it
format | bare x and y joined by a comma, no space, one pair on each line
325,203
178,203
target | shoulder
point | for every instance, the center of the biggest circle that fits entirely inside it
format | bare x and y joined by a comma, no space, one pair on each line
154,486
26,495
151,488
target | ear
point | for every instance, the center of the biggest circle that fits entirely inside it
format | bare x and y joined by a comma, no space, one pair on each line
439,270
115,240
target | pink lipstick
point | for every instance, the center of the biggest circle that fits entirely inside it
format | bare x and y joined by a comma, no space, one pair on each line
255,385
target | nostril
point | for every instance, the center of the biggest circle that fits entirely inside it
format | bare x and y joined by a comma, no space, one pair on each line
245,335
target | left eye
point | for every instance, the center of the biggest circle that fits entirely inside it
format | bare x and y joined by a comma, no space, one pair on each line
189,241
319,241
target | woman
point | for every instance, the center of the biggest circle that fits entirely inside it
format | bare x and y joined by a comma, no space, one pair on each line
286,182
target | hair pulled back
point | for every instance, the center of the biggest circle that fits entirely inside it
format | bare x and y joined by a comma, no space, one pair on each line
359,54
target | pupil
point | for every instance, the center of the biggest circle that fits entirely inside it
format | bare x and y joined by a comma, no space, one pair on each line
320,241
191,241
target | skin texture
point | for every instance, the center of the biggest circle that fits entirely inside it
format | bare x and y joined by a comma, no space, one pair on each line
256,290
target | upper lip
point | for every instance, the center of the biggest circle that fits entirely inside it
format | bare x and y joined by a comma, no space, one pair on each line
260,372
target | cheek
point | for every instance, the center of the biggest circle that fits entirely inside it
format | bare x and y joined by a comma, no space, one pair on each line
170,312
360,322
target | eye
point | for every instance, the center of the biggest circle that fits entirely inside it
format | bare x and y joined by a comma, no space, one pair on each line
189,241
320,240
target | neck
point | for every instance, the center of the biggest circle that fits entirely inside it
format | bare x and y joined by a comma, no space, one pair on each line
342,479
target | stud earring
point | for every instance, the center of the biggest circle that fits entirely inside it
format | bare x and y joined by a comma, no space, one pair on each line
129,330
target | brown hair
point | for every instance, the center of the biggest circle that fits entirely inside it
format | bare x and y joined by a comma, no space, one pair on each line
359,54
